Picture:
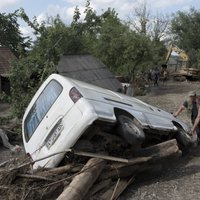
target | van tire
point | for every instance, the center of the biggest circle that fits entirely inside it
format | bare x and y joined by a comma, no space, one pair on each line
184,139
130,130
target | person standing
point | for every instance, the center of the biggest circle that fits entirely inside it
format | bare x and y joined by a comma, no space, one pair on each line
156,76
190,105
196,125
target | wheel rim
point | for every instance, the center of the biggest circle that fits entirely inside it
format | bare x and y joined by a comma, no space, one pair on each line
134,128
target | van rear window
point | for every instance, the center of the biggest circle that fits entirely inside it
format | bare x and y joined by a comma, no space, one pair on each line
41,107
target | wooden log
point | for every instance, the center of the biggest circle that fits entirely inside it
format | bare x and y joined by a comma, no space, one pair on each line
81,183
123,172
155,149
76,169
154,152
143,155
139,164
61,170
162,154
56,171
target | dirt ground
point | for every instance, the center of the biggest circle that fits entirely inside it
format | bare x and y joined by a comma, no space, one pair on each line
179,180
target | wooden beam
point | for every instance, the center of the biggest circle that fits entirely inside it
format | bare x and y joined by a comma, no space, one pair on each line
105,157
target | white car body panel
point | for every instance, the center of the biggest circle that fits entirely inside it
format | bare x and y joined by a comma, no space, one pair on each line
96,104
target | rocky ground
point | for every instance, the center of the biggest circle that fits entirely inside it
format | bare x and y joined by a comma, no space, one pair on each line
178,180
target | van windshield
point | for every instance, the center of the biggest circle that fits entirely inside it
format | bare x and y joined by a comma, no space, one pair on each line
41,107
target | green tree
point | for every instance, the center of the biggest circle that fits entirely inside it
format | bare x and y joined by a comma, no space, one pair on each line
105,36
11,36
186,33
138,55
110,44
84,34
153,27
29,72
158,52
123,50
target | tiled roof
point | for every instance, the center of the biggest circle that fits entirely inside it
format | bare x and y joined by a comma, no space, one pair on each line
6,56
88,69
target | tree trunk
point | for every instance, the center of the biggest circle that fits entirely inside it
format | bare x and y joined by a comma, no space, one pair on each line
139,164
81,183
57,170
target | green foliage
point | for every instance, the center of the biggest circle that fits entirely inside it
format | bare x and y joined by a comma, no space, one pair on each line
5,98
105,36
4,120
124,51
158,53
186,30
23,85
110,43
29,72
10,34
138,55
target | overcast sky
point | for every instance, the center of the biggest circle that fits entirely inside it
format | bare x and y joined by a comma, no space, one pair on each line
65,8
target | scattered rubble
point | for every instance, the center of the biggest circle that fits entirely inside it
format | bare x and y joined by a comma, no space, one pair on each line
18,181
6,143
87,175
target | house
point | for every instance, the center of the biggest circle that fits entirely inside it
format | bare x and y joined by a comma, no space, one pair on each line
88,69
6,56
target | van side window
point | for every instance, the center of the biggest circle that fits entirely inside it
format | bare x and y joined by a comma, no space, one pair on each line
41,107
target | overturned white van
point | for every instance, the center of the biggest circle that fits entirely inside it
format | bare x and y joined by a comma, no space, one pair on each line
63,109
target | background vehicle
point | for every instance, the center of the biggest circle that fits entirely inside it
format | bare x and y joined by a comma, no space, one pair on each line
180,52
64,110
186,71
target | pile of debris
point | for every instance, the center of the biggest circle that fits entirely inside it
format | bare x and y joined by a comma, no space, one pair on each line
85,175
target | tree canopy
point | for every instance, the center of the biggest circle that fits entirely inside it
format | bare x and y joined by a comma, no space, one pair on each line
186,33
10,34
124,49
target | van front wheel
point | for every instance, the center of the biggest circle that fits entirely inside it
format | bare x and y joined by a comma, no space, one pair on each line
130,130
184,139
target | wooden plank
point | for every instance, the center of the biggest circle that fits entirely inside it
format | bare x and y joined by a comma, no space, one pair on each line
116,190
105,157
99,186
124,184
